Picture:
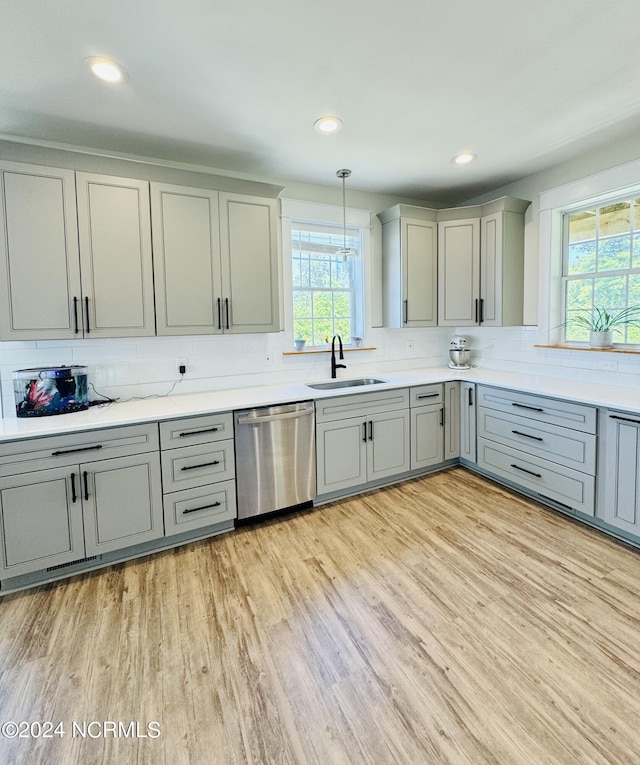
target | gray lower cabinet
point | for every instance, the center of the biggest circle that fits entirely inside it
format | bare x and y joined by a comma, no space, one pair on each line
619,504
198,473
55,509
545,445
370,445
435,424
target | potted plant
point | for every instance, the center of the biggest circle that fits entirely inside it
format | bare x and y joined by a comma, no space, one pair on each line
602,324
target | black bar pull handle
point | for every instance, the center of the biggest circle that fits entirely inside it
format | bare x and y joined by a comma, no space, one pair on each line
427,395
74,496
370,430
481,310
203,507
75,451
197,432
75,315
202,465
442,417
530,408
406,311
85,478
86,311
226,313
364,431
527,435
470,396
219,304
476,319
524,470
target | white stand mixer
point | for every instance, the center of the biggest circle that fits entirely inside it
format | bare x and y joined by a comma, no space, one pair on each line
458,353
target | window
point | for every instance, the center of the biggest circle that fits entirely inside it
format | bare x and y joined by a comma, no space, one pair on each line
327,287
601,264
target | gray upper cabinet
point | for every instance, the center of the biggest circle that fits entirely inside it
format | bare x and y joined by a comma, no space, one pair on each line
459,272
76,255
114,231
186,249
216,261
481,264
39,267
410,266
249,258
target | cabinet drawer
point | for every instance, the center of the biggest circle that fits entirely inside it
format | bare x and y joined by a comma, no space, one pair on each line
194,466
196,430
425,395
552,410
361,404
561,445
197,508
568,487
87,446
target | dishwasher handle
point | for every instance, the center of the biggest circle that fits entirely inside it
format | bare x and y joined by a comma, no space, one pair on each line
274,417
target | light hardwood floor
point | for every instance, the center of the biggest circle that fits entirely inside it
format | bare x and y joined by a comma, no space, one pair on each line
442,621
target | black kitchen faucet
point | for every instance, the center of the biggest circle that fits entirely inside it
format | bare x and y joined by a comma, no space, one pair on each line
335,366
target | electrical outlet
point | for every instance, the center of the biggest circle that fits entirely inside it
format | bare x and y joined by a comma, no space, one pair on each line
410,346
268,358
608,366
182,365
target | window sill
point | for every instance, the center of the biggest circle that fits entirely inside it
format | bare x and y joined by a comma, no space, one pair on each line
325,350
585,348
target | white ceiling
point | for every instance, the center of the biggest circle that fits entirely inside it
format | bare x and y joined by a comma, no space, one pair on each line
238,85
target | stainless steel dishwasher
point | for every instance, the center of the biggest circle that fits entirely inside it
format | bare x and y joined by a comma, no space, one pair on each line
275,457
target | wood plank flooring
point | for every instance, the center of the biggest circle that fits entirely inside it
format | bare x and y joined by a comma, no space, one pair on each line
445,621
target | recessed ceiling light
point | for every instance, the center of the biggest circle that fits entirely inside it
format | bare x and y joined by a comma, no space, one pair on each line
106,69
328,125
463,158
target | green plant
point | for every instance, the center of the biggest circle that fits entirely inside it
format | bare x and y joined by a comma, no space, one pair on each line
601,320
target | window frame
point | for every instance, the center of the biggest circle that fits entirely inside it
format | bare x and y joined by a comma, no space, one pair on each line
315,212
615,198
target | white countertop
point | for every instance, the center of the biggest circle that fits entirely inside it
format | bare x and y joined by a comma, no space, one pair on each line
192,404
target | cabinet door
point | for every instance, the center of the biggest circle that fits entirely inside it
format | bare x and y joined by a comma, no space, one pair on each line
114,231
622,473
249,256
122,502
468,421
451,420
186,255
427,436
41,519
459,272
388,448
341,454
502,268
39,268
419,273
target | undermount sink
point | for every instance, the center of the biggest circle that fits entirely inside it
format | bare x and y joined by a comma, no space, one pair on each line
332,384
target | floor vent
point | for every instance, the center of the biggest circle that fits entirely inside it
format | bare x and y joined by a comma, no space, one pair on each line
72,563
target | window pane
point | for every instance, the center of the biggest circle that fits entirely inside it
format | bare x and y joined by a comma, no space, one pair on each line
340,274
322,331
582,258
573,331
614,253
320,272
301,304
322,305
343,328
342,304
636,250
579,294
610,293
302,328
615,219
582,226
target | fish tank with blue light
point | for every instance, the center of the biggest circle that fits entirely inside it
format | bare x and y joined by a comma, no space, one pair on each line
45,391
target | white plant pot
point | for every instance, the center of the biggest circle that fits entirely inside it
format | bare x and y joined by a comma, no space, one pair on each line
601,339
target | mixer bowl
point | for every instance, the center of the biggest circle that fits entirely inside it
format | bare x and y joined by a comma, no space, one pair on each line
460,357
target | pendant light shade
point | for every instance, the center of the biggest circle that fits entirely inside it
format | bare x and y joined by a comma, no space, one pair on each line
344,250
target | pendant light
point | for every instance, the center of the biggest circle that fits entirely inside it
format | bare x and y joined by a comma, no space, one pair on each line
344,250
